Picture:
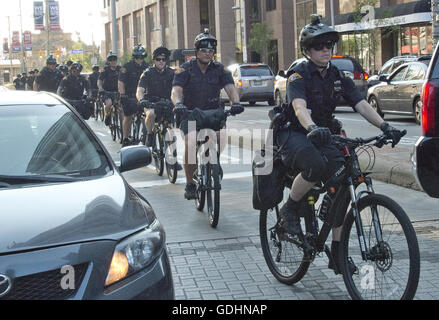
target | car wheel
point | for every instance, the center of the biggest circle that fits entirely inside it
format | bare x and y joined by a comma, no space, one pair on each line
373,101
277,98
417,108
252,103
271,102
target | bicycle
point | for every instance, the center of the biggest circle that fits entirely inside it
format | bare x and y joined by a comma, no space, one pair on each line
98,105
207,178
365,257
138,128
115,115
164,151
80,106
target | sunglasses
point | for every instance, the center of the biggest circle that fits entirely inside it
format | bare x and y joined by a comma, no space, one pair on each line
319,46
206,50
160,59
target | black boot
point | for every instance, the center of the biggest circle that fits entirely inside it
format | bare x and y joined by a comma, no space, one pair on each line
150,140
291,219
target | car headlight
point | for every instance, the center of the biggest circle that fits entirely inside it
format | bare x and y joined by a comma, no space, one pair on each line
136,252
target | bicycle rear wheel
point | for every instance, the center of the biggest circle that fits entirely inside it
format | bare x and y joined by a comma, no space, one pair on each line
284,259
101,107
213,193
114,124
392,268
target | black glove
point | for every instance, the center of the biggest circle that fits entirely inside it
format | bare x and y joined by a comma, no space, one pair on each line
236,108
124,99
320,136
145,104
179,108
392,133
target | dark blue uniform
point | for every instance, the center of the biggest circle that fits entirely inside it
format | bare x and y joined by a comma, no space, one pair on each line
73,88
130,75
320,93
109,78
48,80
157,84
202,90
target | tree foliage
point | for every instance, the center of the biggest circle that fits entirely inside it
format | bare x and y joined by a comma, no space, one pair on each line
260,38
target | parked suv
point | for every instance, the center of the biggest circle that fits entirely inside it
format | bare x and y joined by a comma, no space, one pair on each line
350,66
394,63
426,153
254,82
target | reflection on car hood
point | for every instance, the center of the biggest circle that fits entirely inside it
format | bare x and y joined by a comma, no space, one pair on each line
55,214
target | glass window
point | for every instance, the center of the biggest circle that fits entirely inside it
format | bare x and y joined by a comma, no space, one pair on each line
343,64
414,32
47,140
253,9
387,67
256,71
412,72
271,5
399,75
204,12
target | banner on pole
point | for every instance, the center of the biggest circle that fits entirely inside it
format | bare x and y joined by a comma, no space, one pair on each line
16,45
27,41
54,16
5,46
38,15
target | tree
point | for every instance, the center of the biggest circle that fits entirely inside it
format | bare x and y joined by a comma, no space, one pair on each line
261,35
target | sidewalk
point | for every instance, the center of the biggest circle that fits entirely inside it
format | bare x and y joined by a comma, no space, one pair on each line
235,269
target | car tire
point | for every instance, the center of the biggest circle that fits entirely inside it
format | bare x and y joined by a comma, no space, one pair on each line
277,98
373,101
251,103
417,110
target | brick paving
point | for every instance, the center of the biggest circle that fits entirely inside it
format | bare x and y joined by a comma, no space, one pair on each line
235,268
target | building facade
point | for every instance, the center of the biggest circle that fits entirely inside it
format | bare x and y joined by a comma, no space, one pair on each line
384,29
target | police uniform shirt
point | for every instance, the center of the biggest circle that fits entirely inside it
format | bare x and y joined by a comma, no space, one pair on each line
130,74
202,90
73,87
48,80
156,83
30,82
93,80
306,82
109,78
17,84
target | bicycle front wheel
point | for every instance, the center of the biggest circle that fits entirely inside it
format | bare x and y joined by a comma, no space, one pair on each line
213,193
284,259
392,266
158,154
171,158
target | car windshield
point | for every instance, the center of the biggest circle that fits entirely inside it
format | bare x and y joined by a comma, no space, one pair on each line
47,141
343,64
255,71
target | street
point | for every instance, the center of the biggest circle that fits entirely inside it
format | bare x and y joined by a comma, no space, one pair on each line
227,262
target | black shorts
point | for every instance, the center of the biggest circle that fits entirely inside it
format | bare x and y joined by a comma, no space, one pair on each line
204,119
299,153
131,107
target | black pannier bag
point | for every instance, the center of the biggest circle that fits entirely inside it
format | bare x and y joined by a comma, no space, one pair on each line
268,180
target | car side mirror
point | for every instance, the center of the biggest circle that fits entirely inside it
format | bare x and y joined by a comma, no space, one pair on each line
384,77
134,157
281,73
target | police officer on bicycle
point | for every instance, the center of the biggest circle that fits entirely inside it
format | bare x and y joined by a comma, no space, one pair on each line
48,78
155,83
197,84
107,82
93,81
73,86
128,79
312,95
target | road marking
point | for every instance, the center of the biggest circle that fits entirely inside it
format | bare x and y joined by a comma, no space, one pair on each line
163,182
100,133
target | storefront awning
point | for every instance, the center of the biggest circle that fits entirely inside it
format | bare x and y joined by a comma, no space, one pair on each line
401,14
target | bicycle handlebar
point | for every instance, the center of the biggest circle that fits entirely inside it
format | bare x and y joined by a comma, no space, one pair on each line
381,140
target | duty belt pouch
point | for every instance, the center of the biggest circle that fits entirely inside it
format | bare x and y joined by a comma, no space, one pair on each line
208,119
268,183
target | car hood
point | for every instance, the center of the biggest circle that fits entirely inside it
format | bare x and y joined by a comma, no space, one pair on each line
33,217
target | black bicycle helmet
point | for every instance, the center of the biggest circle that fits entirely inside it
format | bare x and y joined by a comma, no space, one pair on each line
51,60
139,51
316,31
161,51
63,68
111,56
205,40
95,67
76,66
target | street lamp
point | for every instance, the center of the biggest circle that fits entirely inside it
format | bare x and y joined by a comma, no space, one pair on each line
161,34
244,48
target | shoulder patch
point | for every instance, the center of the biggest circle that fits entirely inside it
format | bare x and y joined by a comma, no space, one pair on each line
294,76
179,70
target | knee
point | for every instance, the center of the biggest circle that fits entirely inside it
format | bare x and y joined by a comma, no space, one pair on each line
312,165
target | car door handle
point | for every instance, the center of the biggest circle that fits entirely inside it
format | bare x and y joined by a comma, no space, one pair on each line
414,86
